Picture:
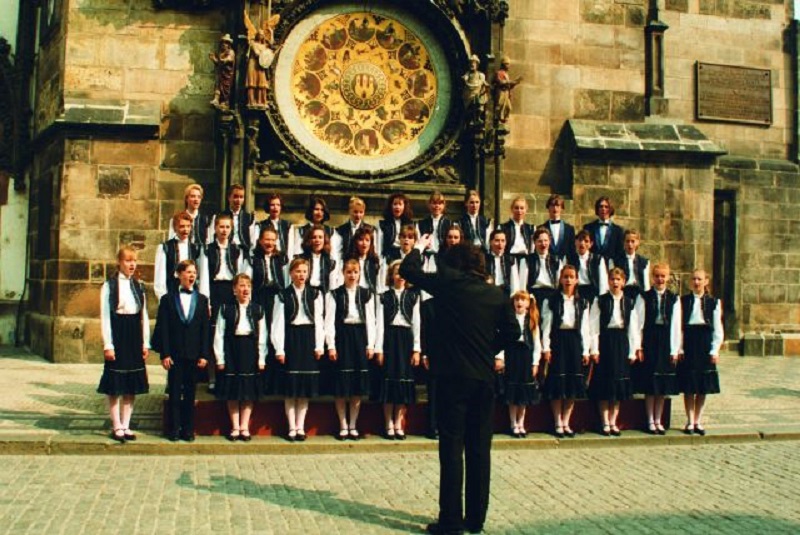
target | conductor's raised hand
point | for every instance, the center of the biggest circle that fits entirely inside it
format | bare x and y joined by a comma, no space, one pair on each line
425,241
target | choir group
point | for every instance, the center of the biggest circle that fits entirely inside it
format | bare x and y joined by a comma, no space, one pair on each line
271,308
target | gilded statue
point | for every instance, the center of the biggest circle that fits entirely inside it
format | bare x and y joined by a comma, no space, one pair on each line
259,58
503,84
224,62
475,86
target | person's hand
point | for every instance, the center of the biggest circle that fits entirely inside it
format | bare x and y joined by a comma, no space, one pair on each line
379,358
281,359
499,365
426,363
166,363
261,367
714,359
640,355
535,370
585,360
220,367
145,353
109,355
370,354
202,363
424,241
546,356
673,359
317,355
595,358
415,358
332,355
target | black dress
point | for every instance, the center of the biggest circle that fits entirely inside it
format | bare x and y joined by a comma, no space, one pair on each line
351,369
397,384
611,378
240,379
519,387
300,372
565,374
696,373
656,376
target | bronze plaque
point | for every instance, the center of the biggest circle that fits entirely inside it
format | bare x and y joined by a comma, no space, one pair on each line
734,94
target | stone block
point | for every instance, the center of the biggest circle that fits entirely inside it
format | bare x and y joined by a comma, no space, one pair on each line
592,104
188,155
635,16
737,162
773,345
145,241
113,181
144,82
627,107
129,52
77,150
772,293
79,181
791,345
67,270
87,244
198,127
601,12
787,180
125,152
143,183
590,174
83,213
92,340
529,132
752,345
97,271
678,5
128,214
78,299
78,78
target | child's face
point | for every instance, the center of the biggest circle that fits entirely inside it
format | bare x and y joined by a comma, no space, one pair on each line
243,291
267,242
351,275
473,205
568,280
222,229
317,240
660,277
300,274
631,244
603,210
236,200
583,245
318,214
362,244
616,283
518,210
274,208
356,214
399,282
555,210
436,207
398,207
521,305
407,241
183,228
127,265
193,199
187,277
542,243
453,237
699,281
498,244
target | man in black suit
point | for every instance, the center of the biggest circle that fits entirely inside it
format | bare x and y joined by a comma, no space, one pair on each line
608,237
562,233
474,320
183,341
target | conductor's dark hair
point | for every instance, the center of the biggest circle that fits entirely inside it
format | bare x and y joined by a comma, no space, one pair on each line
467,258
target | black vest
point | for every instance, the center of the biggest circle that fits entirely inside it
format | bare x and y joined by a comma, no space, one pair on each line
606,304
510,230
230,311
291,306
363,297
556,304
426,227
244,220
171,254
213,256
507,262
405,305
346,235
651,307
200,229
639,265
534,267
302,230
113,294
707,304
327,265
372,267
275,265
388,235
472,233
593,264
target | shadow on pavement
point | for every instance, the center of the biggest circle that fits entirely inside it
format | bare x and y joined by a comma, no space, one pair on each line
766,393
318,501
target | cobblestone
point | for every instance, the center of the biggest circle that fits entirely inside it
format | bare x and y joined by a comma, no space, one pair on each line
721,489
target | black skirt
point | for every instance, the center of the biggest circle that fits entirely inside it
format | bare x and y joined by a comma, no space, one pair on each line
397,384
611,378
565,377
656,376
271,378
696,373
519,387
350,371
240,379
126,375
300,373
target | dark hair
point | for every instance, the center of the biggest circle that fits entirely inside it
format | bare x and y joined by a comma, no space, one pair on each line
555,199
583,234
495,232
352,250
313,201
467,258
460,230
183,265
611,210
326,245
223,215
234,187
408,213
541,230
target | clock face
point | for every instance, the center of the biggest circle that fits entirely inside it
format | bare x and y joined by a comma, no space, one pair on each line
362,91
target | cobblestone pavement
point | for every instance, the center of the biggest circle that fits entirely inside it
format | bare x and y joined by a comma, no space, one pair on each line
719,489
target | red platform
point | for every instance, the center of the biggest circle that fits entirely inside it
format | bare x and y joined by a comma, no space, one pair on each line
269,419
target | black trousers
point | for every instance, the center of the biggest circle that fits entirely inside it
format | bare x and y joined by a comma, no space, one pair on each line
181,383
465,411
433,426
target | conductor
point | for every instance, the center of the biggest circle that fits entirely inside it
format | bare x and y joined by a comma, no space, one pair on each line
473,321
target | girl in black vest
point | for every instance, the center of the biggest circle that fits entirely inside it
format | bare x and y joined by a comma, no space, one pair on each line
322,273
172,252
566,340
201,222
635,266
702,340
476,227
240,346
350,332
126,342
521,363
362,250
436,224
396,214
615,339
519,234
542,267
397,350
592,268
660,317
298,335
316,214
343,236
274,207
221,263
501,266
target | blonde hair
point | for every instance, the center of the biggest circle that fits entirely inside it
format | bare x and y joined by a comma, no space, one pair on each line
393,268
436,195
632,232
297,262
126,249
190,188
357,202
517,199
242,277
618,272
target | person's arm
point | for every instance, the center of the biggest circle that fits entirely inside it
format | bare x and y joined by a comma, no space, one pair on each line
640,312
586,333
412,268
204,310
416,327
675,329
105,321
634,333
219,339
719,336
537,347
160,273
603,276
319,324
204,275
336,246
594,328
163,327
370,319
277,334
379,327
547,324
145,325
262,341
507,326
330,321
646,282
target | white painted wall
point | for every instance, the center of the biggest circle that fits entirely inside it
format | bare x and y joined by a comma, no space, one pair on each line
13,268
8,20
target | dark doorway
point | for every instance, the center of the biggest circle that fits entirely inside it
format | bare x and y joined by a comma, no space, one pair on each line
724,276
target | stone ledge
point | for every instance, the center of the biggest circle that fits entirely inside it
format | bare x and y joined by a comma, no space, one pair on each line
770,345
645,138
142,113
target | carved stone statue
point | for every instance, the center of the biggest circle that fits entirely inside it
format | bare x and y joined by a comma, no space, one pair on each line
475,87
224,60
259,59
503,84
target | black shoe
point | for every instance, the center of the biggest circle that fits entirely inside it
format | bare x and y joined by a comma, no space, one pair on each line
400,435
569,432
233,437
615,431
559,432
700,430
433,434
291,438
606,431
173,437
435,529
245,437
688,429
473,528
187,437
118,435
301,436
353,435
341,435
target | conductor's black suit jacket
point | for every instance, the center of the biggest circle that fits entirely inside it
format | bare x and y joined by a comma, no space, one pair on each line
180,337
